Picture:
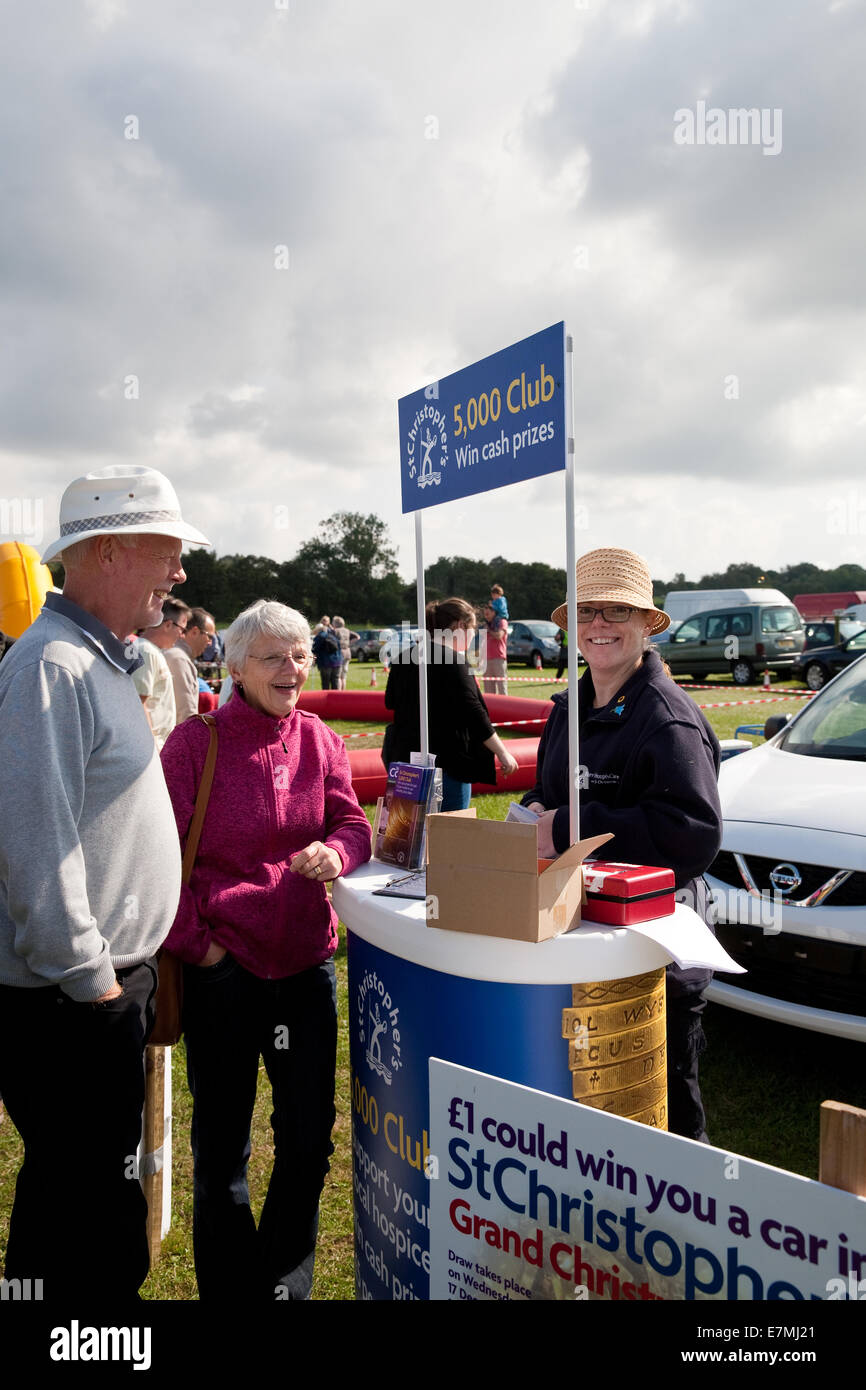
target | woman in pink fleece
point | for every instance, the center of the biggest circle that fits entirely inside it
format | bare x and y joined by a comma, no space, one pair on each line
257,933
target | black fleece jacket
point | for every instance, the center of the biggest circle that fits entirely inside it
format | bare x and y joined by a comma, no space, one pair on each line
649,764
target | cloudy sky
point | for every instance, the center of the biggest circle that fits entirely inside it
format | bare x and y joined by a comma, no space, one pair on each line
234,232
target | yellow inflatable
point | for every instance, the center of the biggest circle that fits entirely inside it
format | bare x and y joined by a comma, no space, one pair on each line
24,582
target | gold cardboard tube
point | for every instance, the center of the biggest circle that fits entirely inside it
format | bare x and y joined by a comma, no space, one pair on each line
631,1100
656,1116
596,1081
614,991
616,1046
601,1019
586,1051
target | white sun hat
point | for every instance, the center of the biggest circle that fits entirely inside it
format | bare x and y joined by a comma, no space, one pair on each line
122,498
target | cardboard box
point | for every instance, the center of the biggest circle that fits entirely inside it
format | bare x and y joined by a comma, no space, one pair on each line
485,876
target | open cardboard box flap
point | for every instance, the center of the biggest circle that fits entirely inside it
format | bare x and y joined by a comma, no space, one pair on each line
578,851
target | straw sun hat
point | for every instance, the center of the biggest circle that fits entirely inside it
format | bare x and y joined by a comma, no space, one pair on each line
614,576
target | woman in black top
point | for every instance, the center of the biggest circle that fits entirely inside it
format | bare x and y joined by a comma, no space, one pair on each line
461,734
648,767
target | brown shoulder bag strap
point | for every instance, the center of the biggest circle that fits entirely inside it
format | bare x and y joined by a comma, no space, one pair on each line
201,800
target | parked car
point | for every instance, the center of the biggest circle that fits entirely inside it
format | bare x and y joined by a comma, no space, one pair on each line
744,640
823,634
816,665
533,641
366,647
789,882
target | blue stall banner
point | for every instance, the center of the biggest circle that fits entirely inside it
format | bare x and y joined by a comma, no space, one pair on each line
499,421
400,1014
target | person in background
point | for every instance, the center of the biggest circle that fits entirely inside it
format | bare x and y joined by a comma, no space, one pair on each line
498,601
213,652
89,885
496,663
562,639
461,734
182,657
328,654
346,637
257,933
154,684
209,664
650,762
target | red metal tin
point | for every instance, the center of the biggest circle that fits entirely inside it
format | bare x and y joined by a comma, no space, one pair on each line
621,894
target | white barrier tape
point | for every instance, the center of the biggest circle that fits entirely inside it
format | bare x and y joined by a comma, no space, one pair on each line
734,688
733,704
499,724
526,680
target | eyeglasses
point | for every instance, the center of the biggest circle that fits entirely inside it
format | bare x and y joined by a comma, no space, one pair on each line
617,613
275,660
181,627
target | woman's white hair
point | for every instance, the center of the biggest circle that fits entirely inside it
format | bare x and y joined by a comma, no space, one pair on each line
264,616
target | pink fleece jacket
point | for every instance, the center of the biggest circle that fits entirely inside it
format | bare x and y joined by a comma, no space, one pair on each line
278,785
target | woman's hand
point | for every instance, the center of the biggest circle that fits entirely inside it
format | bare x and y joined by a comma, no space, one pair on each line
507,763
318,862
545,833
213,954
537,807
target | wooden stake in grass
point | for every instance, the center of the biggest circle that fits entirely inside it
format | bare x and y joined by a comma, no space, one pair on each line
842,1160
153,1136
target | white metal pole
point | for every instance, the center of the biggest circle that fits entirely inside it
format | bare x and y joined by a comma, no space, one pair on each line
571,601
422,624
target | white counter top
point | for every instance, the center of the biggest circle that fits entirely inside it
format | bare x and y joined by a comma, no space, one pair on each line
591,952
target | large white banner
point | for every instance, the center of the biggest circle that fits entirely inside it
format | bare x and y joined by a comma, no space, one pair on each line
536,1198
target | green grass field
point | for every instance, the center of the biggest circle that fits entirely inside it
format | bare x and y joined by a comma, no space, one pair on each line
762,1083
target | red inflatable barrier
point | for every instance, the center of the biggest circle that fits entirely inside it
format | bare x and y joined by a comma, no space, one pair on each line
368,770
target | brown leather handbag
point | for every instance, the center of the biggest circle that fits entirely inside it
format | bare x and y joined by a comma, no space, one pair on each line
168,1024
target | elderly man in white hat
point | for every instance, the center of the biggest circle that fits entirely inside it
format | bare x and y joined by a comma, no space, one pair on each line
90,876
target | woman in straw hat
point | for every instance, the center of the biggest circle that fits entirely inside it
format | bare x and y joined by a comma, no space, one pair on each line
649,765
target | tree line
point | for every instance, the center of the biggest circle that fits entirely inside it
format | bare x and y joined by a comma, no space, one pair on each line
803,578
350,568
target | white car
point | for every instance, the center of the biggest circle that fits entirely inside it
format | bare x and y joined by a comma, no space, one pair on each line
789,883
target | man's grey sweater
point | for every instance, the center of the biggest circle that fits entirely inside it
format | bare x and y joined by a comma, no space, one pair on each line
89,854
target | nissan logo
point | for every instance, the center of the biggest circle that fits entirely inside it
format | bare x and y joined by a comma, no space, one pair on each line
786,878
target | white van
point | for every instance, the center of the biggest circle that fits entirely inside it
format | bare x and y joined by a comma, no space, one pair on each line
682,603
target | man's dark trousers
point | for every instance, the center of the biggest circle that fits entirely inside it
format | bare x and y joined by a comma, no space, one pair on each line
72,1080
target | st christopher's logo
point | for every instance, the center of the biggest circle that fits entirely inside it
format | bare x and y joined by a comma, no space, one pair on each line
427,445
379,1027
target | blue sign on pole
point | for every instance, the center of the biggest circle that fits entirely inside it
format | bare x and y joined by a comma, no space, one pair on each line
499,421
